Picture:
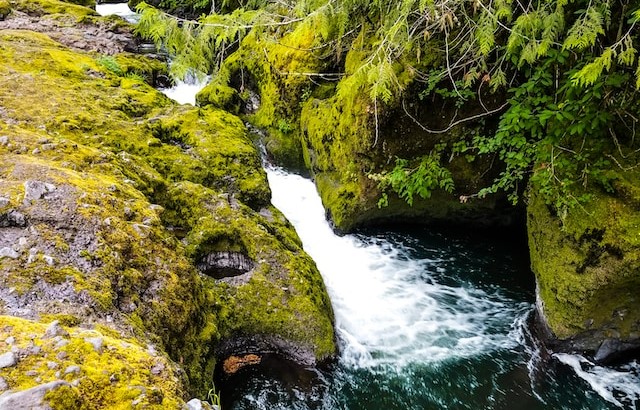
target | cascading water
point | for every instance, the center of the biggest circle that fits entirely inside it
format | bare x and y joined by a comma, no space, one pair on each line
424,322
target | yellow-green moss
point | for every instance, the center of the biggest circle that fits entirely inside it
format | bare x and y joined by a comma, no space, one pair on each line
586,267
53,7
113,378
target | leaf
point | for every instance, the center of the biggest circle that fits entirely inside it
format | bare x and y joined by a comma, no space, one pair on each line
592,71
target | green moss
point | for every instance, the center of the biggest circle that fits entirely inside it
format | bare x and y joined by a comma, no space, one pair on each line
586,267
111,378
53,7
5,9
219,96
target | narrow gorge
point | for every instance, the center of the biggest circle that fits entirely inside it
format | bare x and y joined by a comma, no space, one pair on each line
413,252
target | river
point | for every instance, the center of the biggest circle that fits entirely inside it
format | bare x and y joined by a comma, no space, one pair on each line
425,320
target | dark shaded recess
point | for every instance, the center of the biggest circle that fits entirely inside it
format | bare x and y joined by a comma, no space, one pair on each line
290,375
224,264
12,219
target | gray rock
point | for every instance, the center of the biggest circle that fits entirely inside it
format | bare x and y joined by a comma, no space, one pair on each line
96,342
4,140
53,330
34,190
157,368
32,399
52,365
3,384
3,201
10,340
7,252
75,369
197,404
8,359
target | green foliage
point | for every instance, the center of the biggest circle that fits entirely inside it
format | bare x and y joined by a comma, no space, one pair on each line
415,178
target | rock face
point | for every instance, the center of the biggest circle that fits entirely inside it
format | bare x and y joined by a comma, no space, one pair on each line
587,271
110,196
330,132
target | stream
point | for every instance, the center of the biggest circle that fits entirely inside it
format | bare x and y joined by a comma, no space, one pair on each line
425,320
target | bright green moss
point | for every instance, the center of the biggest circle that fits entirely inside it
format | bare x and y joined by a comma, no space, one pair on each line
586,268
111,378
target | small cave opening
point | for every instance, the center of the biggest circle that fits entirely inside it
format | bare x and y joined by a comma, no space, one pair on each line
224,264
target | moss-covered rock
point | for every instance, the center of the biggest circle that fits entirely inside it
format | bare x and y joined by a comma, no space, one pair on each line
5,9
95,369
111,195
586,268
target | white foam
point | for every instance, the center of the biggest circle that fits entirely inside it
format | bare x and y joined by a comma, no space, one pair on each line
618,386
185,92
118,9
389,310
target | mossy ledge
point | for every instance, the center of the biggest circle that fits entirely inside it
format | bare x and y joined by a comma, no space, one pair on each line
586,269
110,194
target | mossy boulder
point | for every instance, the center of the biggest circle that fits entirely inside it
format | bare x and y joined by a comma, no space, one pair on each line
111,197
587,269
71,368
5,9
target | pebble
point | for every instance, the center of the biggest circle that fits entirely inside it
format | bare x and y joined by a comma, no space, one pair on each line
72,369
4,140
3,384
7,252
96,342
8,359
62,355
3,201
10,340
54,329
157,369
52,365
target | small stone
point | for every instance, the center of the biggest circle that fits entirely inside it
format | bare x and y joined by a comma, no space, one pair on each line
7,252
34,190
3,384
8,359
17,219
3,201
62,355
61,343
32,398
4,140
75,383
23,241
54,329
96,342
72,369
31,373
48,260
35,151
52,365
197,404
10,340
157,369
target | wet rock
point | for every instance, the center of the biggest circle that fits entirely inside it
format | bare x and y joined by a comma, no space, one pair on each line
54,330
32,398
613,350
7,252
34,190
232,364
8,359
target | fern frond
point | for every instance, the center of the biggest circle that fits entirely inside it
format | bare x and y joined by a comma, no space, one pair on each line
585,30
592,71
